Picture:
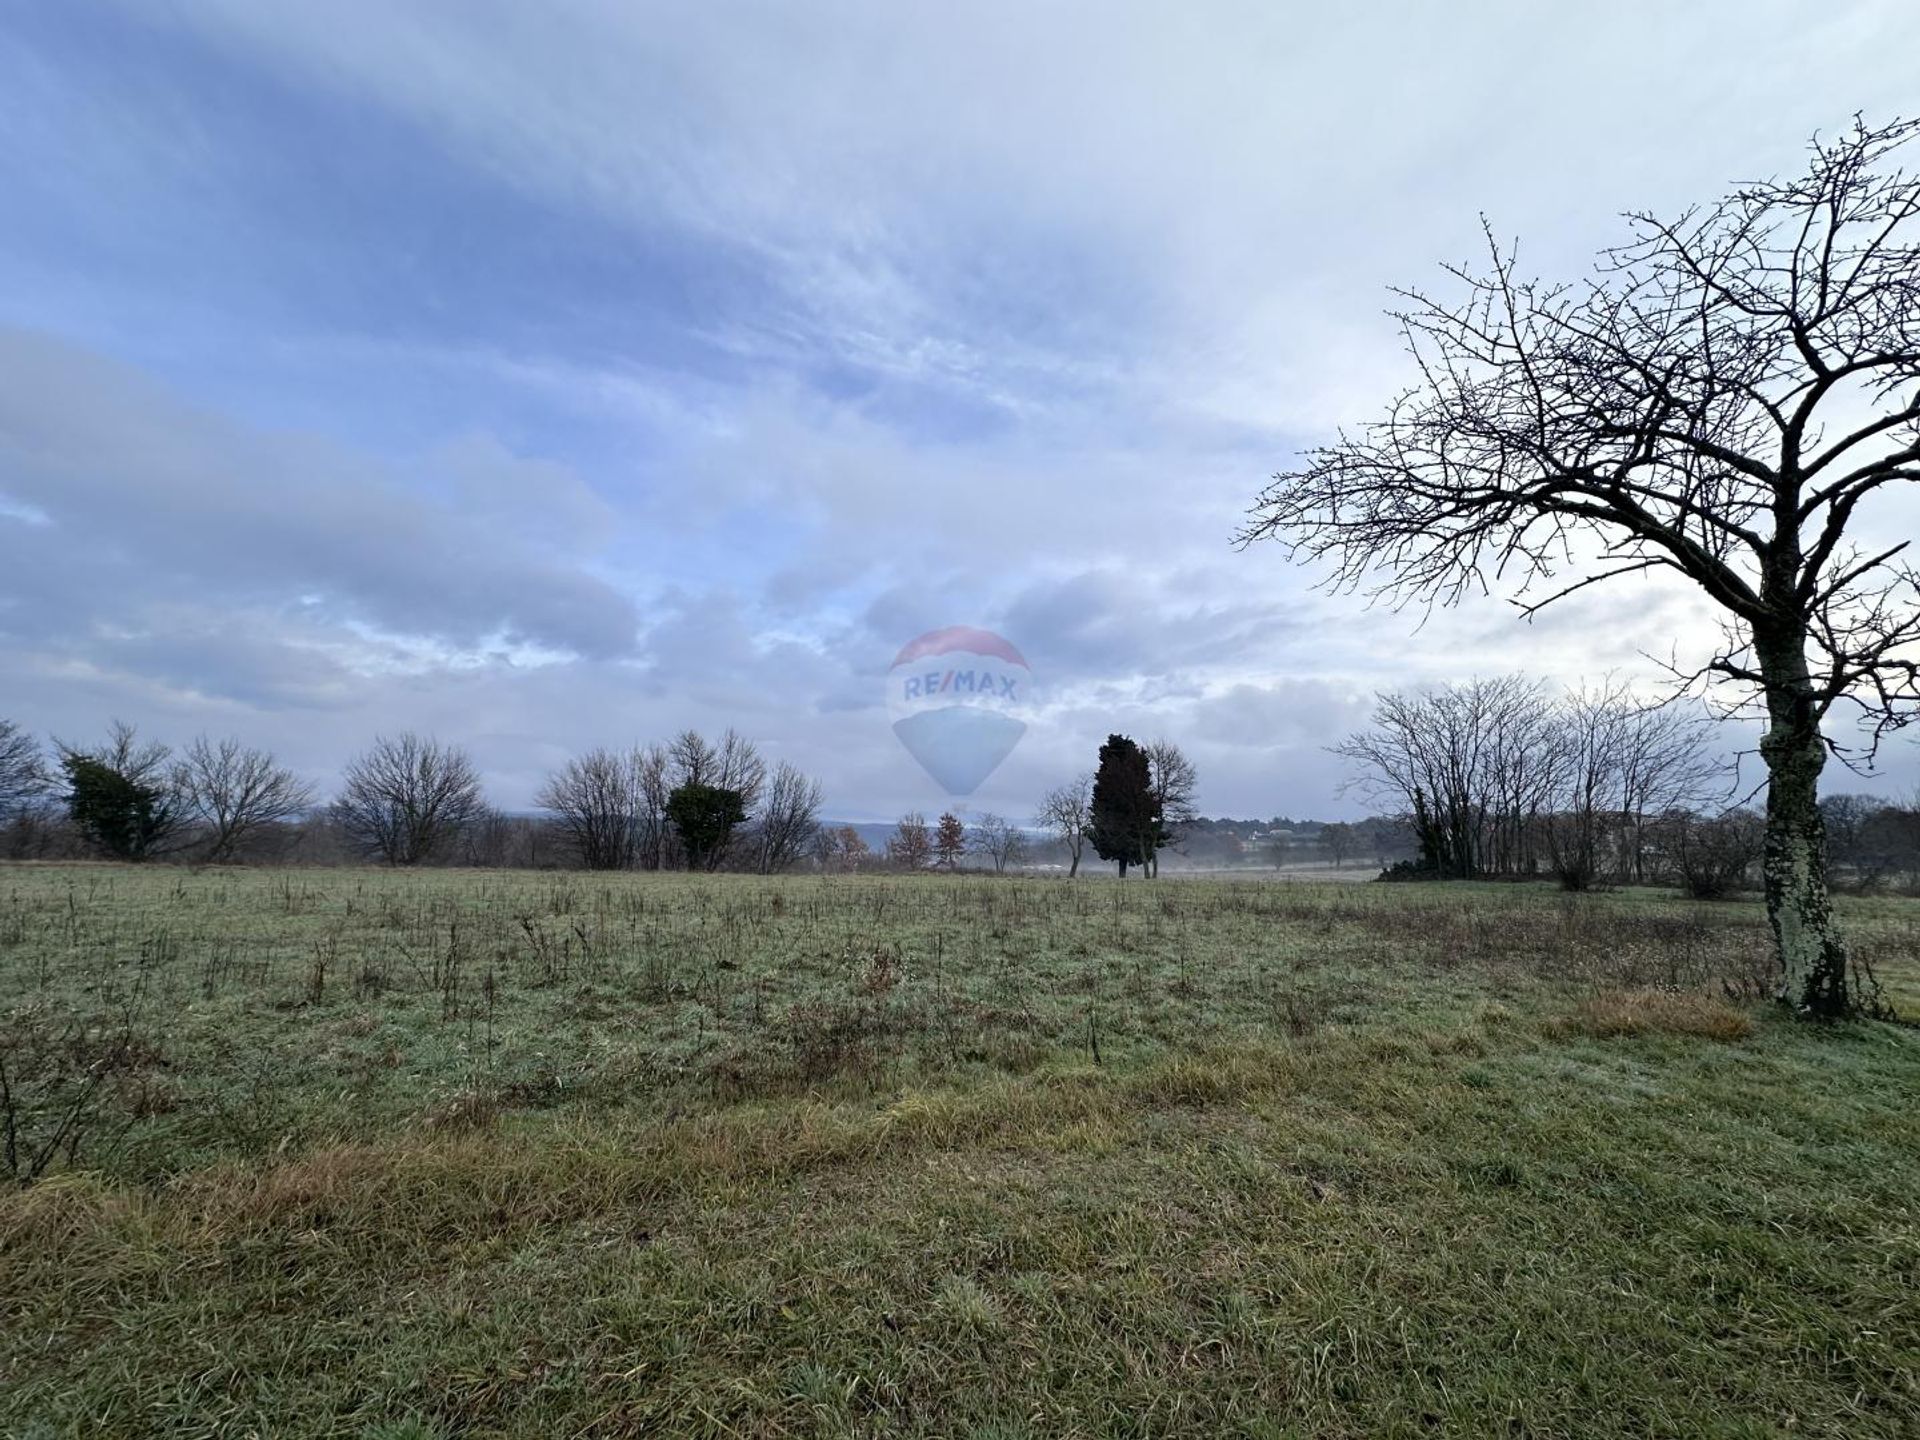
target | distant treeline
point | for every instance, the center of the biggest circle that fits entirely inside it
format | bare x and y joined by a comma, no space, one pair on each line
1500,778
1490,779
688,803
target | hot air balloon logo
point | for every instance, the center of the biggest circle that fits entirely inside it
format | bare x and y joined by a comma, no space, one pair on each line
960,699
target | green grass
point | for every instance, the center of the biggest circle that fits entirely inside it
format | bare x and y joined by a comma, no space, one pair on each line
456,1154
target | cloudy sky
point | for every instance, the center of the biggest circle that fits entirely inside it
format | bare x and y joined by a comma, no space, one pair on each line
553,375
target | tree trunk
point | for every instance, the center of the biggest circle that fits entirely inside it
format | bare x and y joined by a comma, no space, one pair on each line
1815,979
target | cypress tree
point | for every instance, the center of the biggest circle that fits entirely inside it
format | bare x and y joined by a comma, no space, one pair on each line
1127,826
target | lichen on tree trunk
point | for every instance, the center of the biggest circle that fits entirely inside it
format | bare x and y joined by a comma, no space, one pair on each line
1816,977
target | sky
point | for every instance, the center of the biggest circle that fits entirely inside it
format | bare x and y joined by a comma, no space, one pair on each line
553,376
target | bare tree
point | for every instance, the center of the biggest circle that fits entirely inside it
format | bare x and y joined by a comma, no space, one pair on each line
1666,764
1173,780
1339,839
999,840
235,792
1278,848
1576,827
693,759
495,840
124,753
1523,768
1066,812
1856,835
789,819
653,839
1616,763
597,800
840,849
732,764
1895,830
1720,403
1873,840
29,823
910,847
23,771
1502,779
1711,855
854,850
37,831
826,848
407,798
1847,817
1388,836
1471,764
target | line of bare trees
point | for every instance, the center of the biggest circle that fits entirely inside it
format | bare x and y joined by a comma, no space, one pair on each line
406,800
991,842
132,799
1499,777
1494,777
689,803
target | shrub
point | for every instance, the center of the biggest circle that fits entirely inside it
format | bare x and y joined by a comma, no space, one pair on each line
1710,856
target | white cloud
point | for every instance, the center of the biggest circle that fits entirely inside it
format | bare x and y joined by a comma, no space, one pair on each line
1016,306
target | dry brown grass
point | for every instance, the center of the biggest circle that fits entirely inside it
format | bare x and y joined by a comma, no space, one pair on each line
1081,1244
1659,1012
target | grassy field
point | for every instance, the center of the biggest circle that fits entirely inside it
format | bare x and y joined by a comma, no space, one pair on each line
458,1154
